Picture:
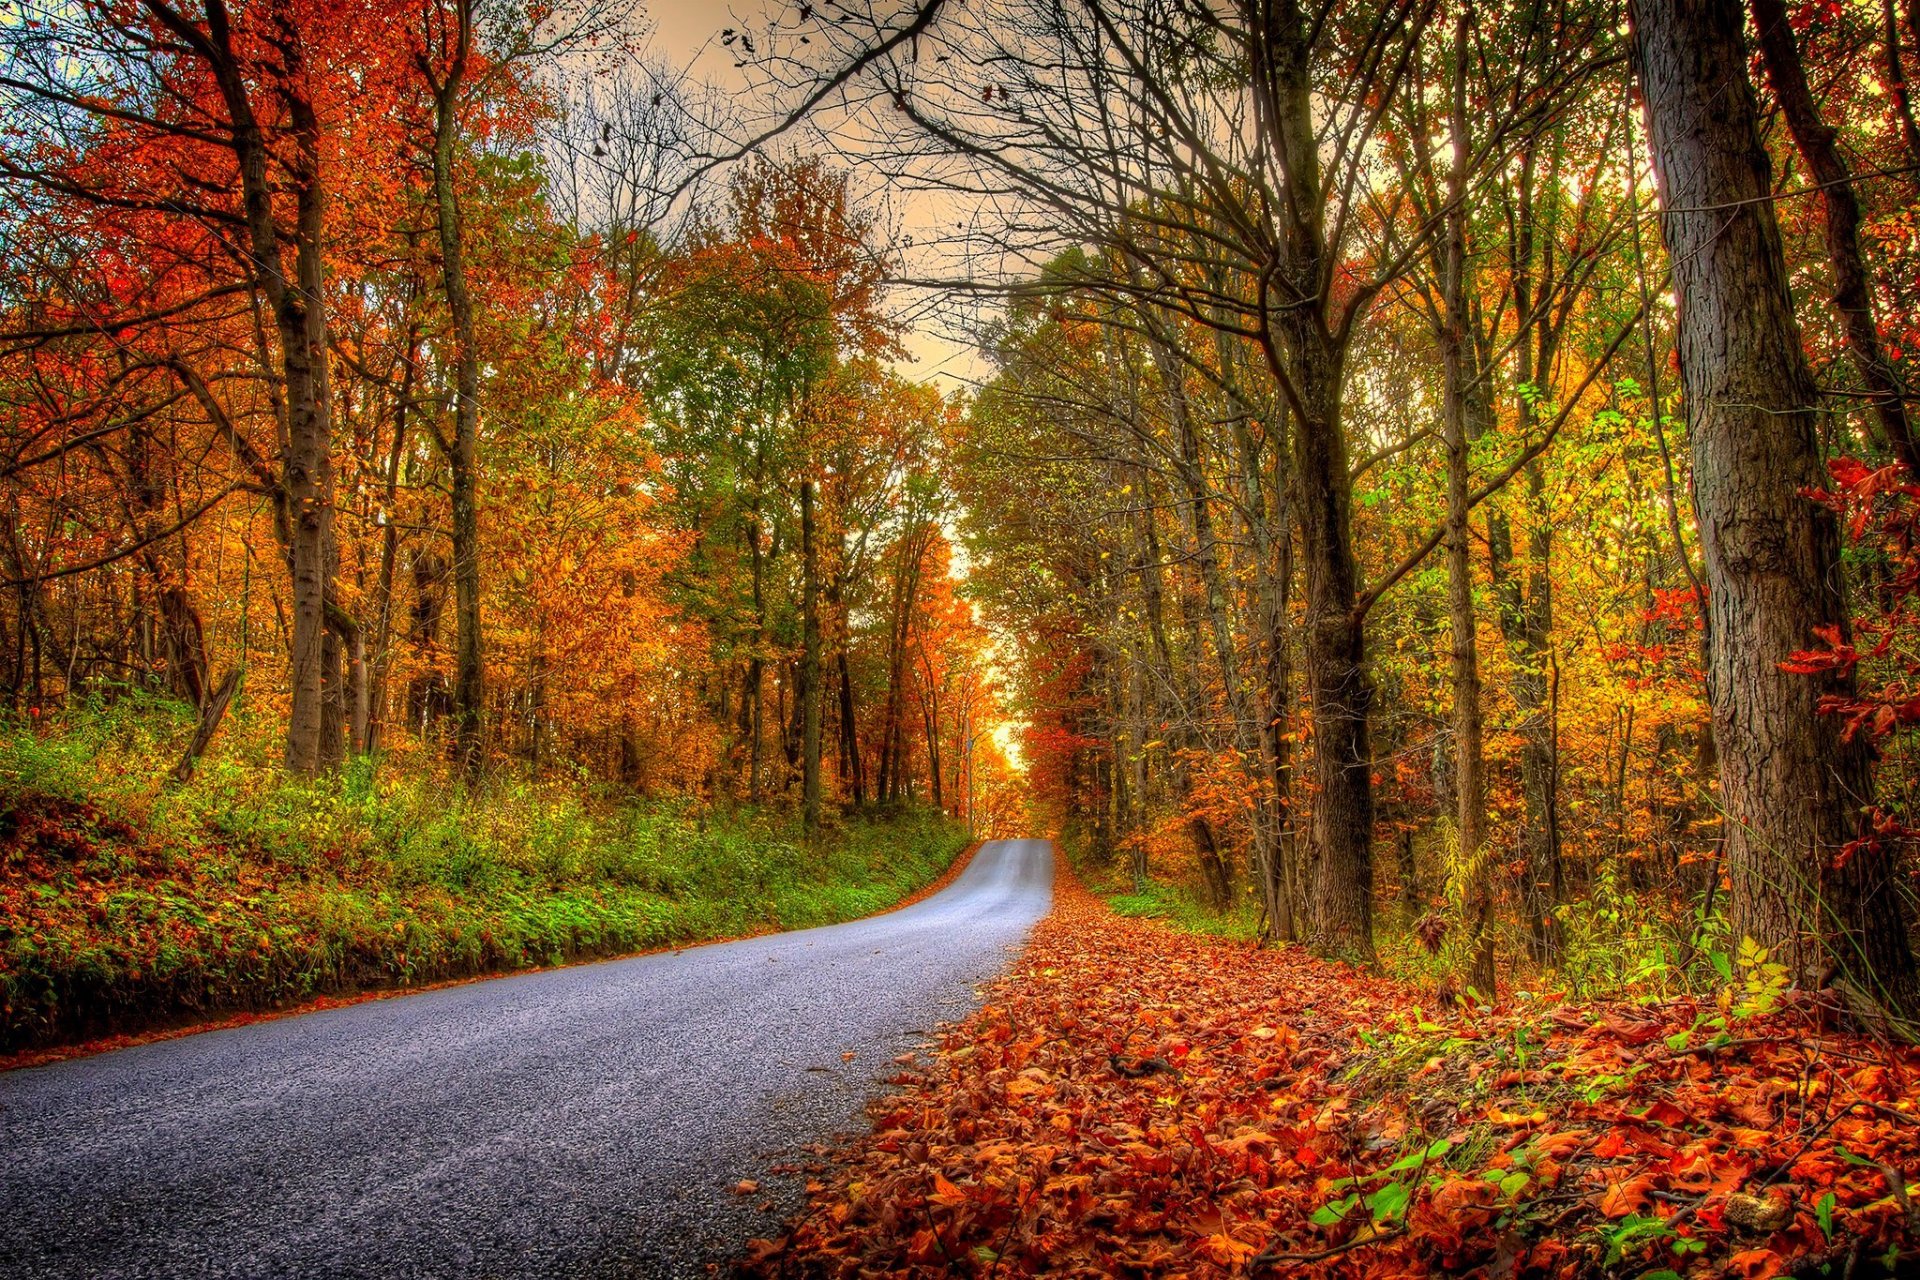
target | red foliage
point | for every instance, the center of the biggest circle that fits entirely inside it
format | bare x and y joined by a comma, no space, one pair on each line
1136,1101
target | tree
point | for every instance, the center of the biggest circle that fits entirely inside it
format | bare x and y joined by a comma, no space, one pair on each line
1793,787
446,47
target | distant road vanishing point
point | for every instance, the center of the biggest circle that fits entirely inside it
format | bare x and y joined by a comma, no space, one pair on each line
590,1121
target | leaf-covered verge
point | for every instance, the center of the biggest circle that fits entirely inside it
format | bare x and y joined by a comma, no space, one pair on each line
126,904
1134,1100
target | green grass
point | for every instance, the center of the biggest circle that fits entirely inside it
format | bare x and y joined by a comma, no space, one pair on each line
125,901
1178,906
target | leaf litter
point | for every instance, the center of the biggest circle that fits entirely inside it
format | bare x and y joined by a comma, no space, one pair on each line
1135,1101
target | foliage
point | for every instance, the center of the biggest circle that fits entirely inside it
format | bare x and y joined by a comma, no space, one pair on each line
125,903
1132,1099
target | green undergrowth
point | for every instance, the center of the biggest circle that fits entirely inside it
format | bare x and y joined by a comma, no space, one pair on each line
1175,903
127,902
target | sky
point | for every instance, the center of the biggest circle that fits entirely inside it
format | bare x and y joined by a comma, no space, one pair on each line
686,34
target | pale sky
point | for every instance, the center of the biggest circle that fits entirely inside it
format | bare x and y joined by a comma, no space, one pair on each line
686,34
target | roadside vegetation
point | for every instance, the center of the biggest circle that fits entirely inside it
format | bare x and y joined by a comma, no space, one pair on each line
126,900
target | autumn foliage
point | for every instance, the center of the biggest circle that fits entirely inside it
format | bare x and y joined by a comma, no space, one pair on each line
1134,1101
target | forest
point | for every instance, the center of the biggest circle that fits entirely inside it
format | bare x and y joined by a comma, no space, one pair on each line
1418,504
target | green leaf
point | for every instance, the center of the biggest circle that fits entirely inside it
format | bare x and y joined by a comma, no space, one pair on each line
1435,1150
1390,1201
1328,1215
1823,1213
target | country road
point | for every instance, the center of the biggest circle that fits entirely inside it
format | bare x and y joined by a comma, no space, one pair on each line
581,1122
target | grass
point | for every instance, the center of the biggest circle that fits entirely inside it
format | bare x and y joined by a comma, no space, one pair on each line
126,902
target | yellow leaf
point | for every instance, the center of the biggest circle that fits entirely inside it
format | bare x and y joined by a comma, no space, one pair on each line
1227,1251
945,1194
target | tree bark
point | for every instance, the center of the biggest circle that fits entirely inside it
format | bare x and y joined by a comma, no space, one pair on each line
1307,355
296,303
1524,598
1793,791
469,693
380,666
1472,871
212,711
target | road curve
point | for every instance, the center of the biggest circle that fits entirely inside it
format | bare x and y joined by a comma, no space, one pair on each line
588,1121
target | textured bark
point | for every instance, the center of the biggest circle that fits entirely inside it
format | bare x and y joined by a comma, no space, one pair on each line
1460,403
1310,359
469,692
1338,685
380,664
295,302
212,711
1793,791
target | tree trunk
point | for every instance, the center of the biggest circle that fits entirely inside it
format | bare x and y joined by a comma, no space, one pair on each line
1793,791
296,301
1247,743
754,707
1307,355
212,711
1818,146
1524,598
1339,688
469,694
809,663
1473,869
380,665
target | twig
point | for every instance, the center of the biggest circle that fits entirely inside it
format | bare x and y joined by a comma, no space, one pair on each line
1264,1259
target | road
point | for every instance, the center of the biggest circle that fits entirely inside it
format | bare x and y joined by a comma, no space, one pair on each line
582,1122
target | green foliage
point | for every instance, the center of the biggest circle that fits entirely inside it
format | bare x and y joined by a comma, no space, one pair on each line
125,900
1625,943
1180,907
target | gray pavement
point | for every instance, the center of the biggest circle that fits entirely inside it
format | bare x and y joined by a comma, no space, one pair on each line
581,1122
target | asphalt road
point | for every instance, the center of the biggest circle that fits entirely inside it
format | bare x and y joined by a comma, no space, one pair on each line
580,1122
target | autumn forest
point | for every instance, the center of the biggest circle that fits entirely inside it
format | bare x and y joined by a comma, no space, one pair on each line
1355,564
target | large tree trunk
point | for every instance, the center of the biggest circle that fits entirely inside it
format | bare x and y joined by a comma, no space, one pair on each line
1308,357
1793,791
469,693
296,302
1337,685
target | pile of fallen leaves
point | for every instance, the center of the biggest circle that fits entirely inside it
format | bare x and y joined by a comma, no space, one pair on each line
1136,1101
